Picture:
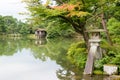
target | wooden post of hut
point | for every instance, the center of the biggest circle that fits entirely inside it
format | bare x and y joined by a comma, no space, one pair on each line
40,33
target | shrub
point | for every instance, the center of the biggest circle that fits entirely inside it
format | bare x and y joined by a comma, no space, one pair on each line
77,54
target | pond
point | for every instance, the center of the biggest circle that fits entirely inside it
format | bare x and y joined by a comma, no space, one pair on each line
27,59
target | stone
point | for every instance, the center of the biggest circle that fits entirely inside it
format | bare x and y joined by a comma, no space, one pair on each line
110,69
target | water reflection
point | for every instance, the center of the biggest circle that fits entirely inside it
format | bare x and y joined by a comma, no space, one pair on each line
23,59
41,41
23,66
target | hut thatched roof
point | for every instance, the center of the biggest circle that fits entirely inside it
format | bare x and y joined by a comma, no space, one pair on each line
40,29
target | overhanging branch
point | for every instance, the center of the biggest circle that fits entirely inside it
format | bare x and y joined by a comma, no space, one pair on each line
75,26
59,1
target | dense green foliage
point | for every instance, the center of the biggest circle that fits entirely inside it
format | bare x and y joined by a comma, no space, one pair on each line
114,28
111,55
77,54
80,15
10,25
59,29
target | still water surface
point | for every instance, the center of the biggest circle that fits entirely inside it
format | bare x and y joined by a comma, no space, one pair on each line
26,59
32,60
23,66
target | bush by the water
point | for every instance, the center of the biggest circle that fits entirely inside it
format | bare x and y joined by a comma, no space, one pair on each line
77,54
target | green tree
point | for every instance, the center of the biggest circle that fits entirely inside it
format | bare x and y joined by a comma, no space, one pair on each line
10,24
2,27
23,28
77,13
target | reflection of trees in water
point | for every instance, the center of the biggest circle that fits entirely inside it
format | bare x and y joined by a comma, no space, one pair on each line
64,74
54,49
69,71
39,52
69,74
8,47
51,49
11,46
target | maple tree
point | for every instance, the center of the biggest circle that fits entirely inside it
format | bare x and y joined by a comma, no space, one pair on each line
74,12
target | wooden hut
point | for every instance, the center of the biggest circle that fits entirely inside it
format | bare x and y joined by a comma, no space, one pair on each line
40,33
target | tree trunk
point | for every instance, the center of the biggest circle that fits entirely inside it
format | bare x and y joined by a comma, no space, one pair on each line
105,28
85,37
80,28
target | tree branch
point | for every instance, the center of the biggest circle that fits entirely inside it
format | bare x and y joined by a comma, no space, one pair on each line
75,26
83,1
59,1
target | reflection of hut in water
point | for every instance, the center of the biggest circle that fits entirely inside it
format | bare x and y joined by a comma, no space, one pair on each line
41,41
40,33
